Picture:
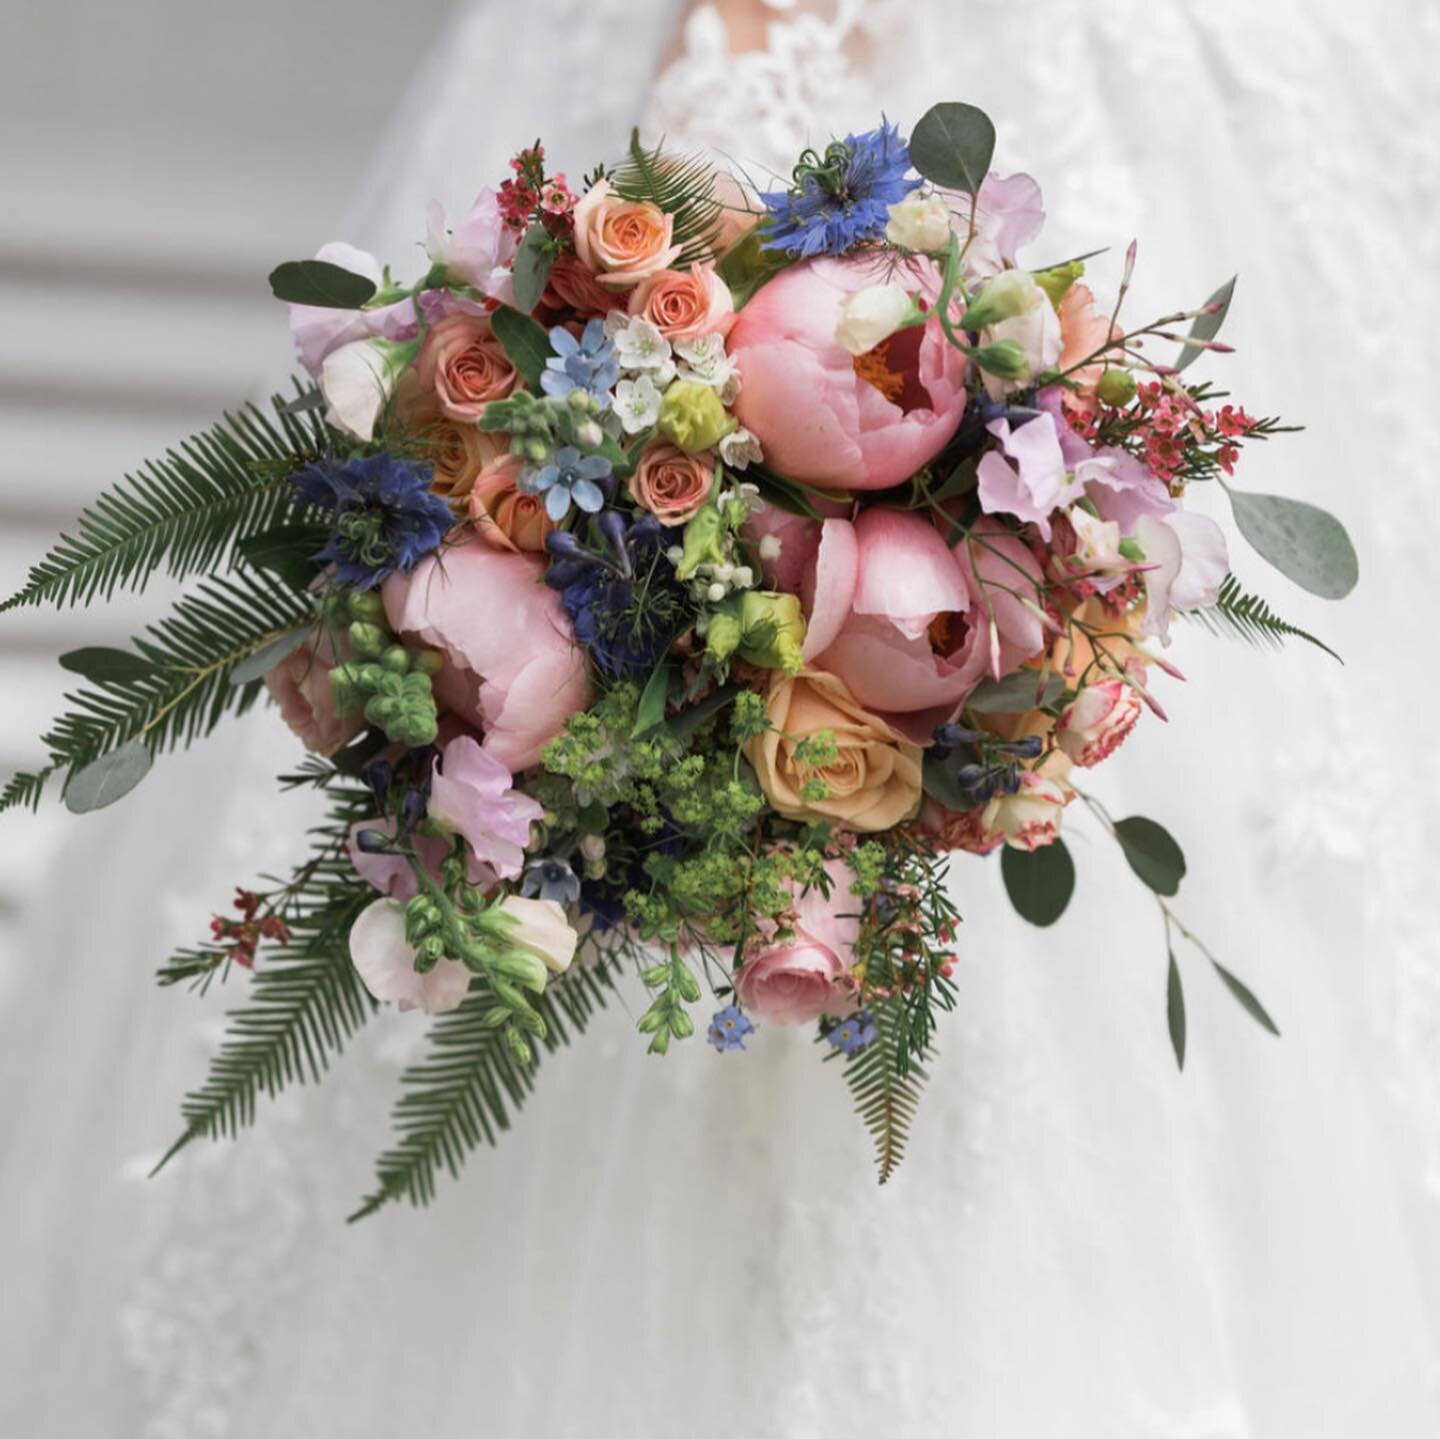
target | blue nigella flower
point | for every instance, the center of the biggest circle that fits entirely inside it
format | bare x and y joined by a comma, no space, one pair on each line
383,515
841,197
569,476
856,1033
550,878
729,1028
588,364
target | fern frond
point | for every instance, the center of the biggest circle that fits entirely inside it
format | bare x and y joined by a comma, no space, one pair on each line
188,690
885,1084
682,186
470,1085
184,512
1249,618
25,789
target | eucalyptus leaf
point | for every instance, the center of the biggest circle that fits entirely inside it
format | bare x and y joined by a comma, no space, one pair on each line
1206,327
532,267
256,666
318,282
1175,1011
952,145
1152,853
1039,881
524,341
1246,999
108,778
1305,543
107,666
650,711
1015,694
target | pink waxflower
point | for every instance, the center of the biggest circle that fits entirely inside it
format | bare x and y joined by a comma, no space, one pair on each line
826,417
318,329
1096,722
478,251
471,794
300,686
1028,476
796,980
512,667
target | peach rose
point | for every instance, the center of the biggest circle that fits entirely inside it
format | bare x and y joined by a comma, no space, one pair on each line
626,241
685,304
670,484
1096,722
457,449
1083,330
874,780
506,518
300,685
465,365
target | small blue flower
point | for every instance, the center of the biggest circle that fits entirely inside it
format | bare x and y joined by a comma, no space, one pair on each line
842,197
569,476
729,1028
384,517
550,878
587,364
856,1033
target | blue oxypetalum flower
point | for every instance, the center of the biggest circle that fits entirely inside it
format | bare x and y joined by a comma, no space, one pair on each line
587,364
569,476
729,1028
383,515
841,197
550,878
856,1033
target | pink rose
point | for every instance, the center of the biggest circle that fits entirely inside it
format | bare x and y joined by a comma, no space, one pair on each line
317,329
672,485
575,287
1030,818
832,419
626,241
512,667
465,365
300,685
1096,721
808,975
685,304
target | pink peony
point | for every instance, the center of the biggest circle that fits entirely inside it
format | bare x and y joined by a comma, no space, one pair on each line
825,417
512,667
300,685
808,975
1095,724
318,329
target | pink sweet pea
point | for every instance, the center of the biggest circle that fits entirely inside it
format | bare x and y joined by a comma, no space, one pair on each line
803,395
391,873
798,980
385,962
1028,476
471,795
317,329
1186,563
478,251
1009,213
512,667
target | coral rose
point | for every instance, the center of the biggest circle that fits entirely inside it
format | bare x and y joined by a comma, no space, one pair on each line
506,518
685,304
573,287
458,449
465,365
672,485
872,783
826,417
626,241
300,686
1083,331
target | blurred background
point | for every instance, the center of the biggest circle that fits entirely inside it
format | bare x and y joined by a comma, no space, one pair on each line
133,265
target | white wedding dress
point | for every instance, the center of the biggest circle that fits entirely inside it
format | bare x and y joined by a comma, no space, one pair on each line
1082,1243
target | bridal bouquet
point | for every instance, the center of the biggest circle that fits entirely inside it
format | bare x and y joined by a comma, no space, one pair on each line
664,586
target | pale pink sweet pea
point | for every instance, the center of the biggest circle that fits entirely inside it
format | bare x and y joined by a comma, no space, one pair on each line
797,980
385,962
1185,564
1037,333
1096,723
478,251
817,420
1009,213
318,329
1028,476
512,667
392,875
472,794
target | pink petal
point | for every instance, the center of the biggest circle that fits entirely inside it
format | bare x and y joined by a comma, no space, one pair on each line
385,963
907,573
829,590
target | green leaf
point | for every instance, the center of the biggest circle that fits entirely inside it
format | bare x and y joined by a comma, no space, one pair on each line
532,267
1015,694
885,1084
1302,541
1152,853
258,665
101,664
525,342
1246,999
747,265
651,709
1206,327
318,282
286,550
782,493
1250,618
952,145
107,779
1175,1011
1039,881
939,779
682,726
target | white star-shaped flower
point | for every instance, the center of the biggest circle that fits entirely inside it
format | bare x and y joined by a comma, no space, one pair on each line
637,402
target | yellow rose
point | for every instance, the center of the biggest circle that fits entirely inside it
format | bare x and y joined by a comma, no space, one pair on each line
873,781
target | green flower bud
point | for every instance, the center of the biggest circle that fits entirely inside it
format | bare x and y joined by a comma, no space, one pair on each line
1005,360
367,605
519,1046
427,662
774,630
1117,387
1057,280
577,399
704,542
523,967
537,451
692,417
368,639
1010,294
396,660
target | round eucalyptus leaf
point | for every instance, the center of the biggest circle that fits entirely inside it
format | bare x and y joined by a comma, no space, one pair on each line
318,282
952,145
1153,853
107,779
1039,881
1302,541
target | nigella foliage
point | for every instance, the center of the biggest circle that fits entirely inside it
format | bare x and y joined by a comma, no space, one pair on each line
384,517
841,198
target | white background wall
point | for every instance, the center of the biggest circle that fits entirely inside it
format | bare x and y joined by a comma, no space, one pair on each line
157,158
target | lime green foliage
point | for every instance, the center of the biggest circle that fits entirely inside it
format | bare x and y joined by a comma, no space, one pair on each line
1057,280
386,680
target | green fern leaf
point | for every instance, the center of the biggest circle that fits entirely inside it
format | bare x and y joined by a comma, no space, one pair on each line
885,1082
1249,618
184,512
682,186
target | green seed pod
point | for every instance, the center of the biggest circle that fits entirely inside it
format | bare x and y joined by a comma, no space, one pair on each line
681,1025
427,662
368,639
396,659
1117,388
